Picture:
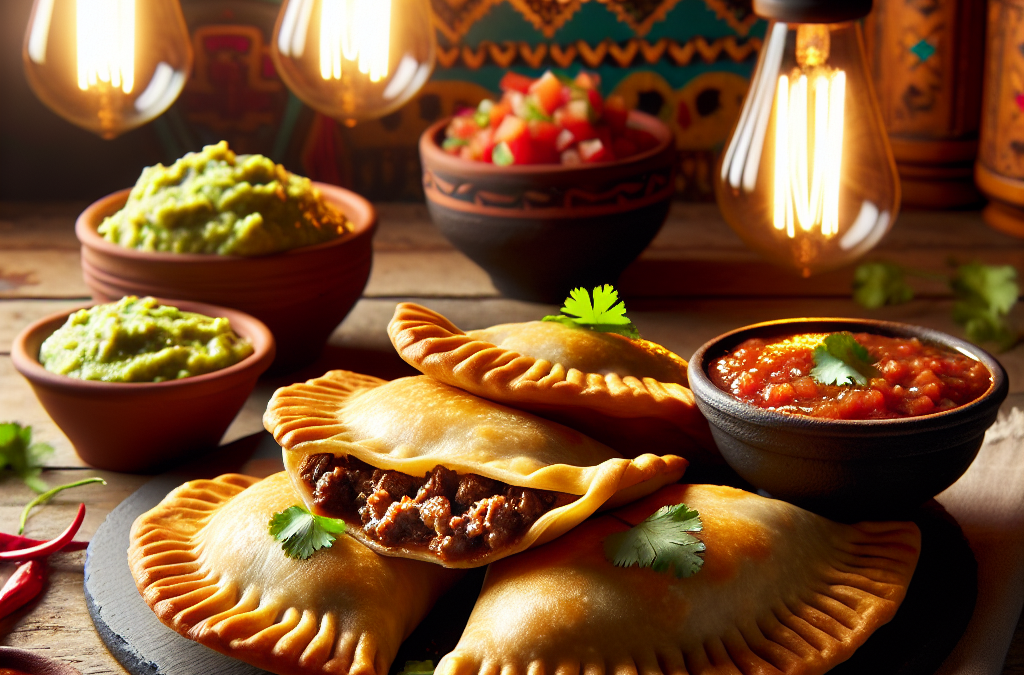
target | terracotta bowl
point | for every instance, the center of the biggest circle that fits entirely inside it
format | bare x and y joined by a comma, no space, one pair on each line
540,230
301,295
848,469
144,426
33,663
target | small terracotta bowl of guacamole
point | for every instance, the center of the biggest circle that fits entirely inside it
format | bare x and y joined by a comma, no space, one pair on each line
887,438
145,426
301,294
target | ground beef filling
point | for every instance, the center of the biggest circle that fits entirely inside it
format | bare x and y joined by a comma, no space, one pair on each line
454,516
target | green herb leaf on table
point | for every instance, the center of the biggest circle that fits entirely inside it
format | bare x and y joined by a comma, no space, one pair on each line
602,315
21,456
984,296
840,359
301,533
877,284
660,542
417,668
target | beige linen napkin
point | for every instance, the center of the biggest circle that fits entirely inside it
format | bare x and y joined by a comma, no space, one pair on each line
988,502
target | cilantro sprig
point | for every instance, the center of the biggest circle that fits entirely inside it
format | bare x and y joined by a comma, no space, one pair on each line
840,359
661,542
301,533
20,456
984,295
602,314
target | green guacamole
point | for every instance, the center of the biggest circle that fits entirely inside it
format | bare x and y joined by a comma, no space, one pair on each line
215,201
140,340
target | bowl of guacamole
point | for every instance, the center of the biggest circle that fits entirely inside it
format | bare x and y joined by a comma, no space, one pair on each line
235,231
142,383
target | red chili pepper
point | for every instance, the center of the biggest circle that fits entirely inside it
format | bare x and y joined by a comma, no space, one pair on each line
47,547
13,542
26,583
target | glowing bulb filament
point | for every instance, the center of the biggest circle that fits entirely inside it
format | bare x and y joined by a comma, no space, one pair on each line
358,31
807,167
105,35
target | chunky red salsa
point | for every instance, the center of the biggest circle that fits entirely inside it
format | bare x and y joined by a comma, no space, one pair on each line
916,378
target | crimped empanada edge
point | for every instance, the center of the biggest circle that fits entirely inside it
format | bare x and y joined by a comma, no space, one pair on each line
164,560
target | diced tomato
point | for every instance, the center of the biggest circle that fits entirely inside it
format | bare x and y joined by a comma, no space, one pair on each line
579,126
594,151
616,113
515,82
544,132
588,80
511,127
521,149
548,91
481,146
498,112
462,127
644,140
596,102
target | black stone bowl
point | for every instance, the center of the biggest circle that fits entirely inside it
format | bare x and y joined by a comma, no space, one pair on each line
540,230
846,469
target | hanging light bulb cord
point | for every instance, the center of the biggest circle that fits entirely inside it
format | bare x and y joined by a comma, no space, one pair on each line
809,138
357,31
105,37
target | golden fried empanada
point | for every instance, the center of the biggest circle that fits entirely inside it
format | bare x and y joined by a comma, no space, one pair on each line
781,590
204,561
425,470
629,394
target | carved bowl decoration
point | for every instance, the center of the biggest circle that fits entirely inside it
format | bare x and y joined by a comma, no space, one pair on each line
540,230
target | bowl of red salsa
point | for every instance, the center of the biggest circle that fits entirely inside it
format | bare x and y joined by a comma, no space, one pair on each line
853,418
543,191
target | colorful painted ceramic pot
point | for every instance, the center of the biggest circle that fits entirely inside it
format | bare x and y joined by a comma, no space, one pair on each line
541,230
301,294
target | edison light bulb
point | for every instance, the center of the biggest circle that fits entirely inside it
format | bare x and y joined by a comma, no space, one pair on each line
807,178
354,59
107,65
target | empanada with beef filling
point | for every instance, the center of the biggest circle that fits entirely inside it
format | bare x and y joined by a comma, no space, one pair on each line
629,394
781,590
425,470
205,562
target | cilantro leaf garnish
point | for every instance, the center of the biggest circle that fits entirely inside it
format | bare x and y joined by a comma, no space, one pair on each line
984,296
661,541
602,315
417,668
877,284
301,533
840,359
22,457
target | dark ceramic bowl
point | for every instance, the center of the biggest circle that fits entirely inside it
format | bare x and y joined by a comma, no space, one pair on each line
301,294
541,230
848,469
144,426
33,663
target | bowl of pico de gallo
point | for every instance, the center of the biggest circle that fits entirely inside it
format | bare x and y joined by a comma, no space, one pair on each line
551,186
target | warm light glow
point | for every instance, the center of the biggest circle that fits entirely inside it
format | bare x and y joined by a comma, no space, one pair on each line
808,151
105,34
357,31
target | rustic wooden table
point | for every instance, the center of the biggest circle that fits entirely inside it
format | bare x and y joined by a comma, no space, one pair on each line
694,282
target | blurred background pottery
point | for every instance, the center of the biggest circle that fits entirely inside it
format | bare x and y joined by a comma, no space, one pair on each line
23,661
301,295
847,469
144,426
540,230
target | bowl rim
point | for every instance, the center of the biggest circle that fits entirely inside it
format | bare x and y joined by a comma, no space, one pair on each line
707,392
431,150
246,325
89,220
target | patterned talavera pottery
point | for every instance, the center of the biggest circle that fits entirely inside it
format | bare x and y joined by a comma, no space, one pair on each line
540,230
301,294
